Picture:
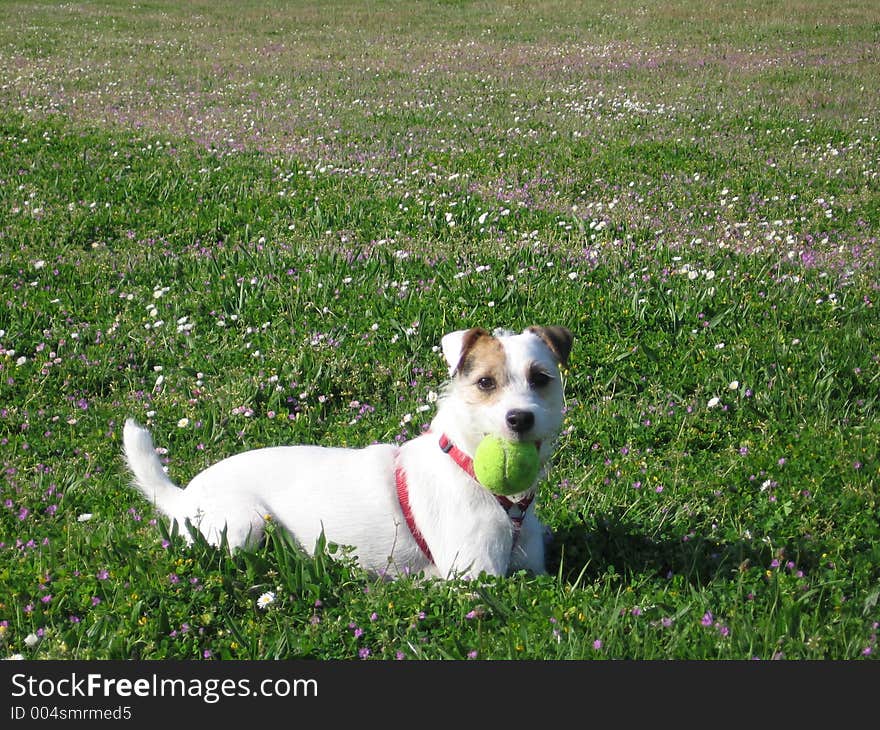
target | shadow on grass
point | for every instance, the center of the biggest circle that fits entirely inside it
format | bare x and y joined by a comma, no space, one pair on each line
586,551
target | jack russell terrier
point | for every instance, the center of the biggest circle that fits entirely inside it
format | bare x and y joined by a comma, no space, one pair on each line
402,509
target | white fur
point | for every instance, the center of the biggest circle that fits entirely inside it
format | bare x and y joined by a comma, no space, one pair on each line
350,495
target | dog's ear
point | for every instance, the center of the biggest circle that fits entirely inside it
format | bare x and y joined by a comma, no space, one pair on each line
558,339
457,344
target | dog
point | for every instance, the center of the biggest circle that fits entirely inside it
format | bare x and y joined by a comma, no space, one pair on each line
408,509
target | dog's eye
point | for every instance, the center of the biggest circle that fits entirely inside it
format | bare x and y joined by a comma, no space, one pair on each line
538,379
486,383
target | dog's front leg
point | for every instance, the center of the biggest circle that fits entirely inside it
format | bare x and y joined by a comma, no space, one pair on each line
528,552
469,563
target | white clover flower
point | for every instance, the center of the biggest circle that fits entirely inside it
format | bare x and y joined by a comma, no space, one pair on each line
265,600
183,422
31,640
734,384
84,517
713,402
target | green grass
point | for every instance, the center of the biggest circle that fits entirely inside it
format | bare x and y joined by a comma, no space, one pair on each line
236,225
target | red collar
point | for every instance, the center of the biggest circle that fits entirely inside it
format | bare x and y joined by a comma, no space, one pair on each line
467,464
457,455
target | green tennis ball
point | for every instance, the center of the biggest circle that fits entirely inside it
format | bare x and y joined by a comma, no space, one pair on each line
506,467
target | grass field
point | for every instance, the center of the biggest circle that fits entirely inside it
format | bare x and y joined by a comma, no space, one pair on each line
249,224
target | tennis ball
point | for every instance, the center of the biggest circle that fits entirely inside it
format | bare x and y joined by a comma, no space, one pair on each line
506,467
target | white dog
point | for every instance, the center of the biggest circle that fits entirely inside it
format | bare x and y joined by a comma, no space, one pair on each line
413,508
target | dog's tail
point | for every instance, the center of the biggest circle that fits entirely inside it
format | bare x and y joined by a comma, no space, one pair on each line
149,476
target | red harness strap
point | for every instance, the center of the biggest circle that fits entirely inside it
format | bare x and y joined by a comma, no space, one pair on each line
403,497
522,505
467,464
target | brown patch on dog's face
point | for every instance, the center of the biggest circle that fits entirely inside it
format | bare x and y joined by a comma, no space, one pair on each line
558,339
468,340
483,366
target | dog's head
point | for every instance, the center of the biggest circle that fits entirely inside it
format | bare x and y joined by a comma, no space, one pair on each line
505,384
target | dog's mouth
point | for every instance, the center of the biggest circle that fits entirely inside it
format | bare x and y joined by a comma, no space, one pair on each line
536,442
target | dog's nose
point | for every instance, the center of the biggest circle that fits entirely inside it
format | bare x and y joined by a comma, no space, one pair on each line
520,420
